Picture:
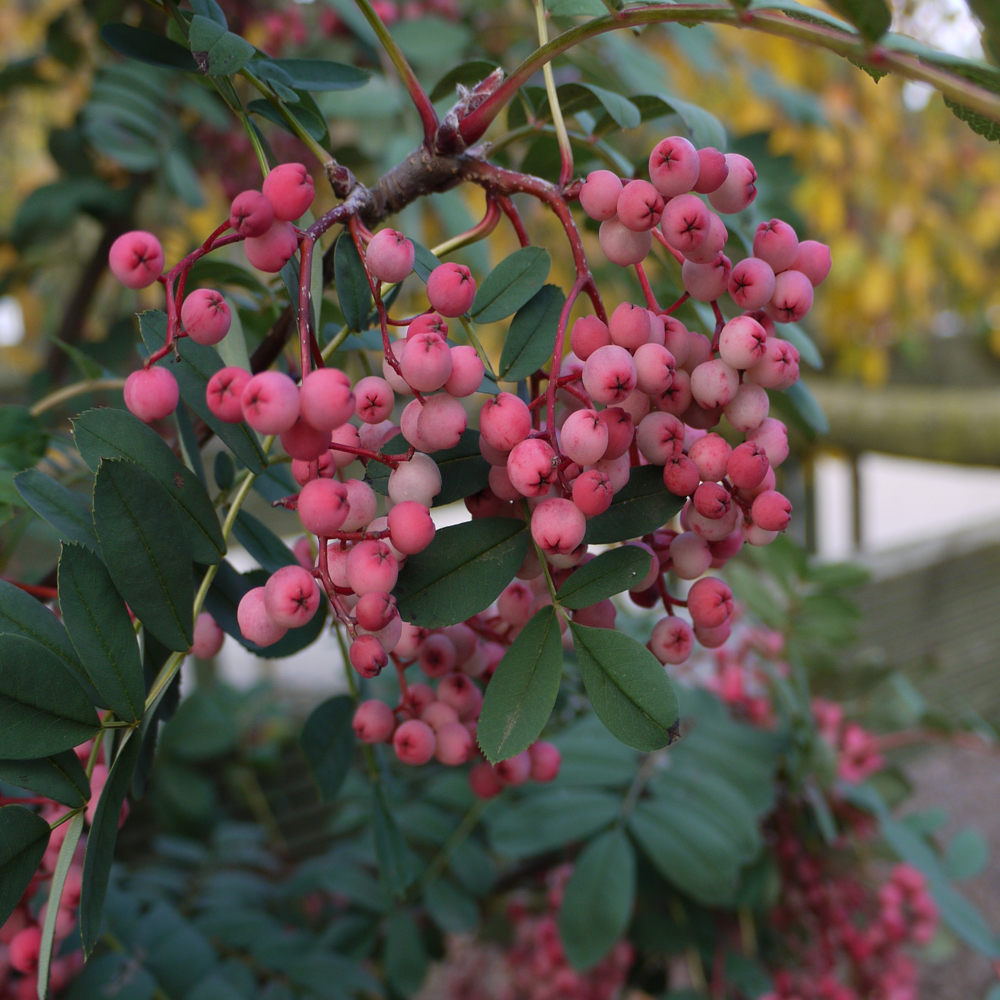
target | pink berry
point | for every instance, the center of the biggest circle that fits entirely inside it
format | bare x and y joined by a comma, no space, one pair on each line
326,400
451,289
724,550
368,656
660,437
738,190
710,602
375,610
747,408
609,374
616,469
621,245
772,437
630,326
711,500
346,434
681,476
515,771
584,437
23,951
373,721
151,393
514,602
136,259
453,744
483,782
686,222
289,189
792,299
545,761
751,284
291,596
775,243
676,339
438,714
707,282
428,322
587,335
655,368
742,343
599,195
714,383
437,655
304,443
374,399
421,695
711,454
676,398
772,511
714,170
390,256
504,421
371,566
442,422
411,529
657,331
254,621
671,640
208,637
640,206
251,214
205,316
621,430
426,362
467,371
714,243
418,479
558,526
813,260
531,467
270,402
224,393
747,466
592,492
699,351
323,507
690,555
463,696
713,638
674,166
274,249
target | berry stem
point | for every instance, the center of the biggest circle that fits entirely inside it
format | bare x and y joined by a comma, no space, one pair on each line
661,239
651,302
510,210
557,353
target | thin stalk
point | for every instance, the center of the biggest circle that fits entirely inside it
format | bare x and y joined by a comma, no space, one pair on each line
321,154
565,150
440,860
470,332
265,168
76,389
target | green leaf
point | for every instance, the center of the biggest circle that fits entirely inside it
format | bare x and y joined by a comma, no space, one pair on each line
101,841
514,281
808,408
599,897
141,543
461,572
353,291
198,364
24,835
871,17
451,908
531,338
803,13
967,854
522,692
211,10
803,343
56,886
554,818
262,543
60,777
147,47
216,51
328,741
423,263
574,97
432,41
64,509
206,725
109,433
21,614
395,862
468,74
101,631
640,508
23,439
322,74
610,573
304,111
405,959
43,711
207,273
627,686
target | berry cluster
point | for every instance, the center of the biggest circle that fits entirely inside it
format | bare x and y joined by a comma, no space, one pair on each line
857,750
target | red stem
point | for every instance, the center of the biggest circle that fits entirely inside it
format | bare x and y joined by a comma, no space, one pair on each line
676,254
305,313
557,353
651,302
44,593
391,460
677,304
510,210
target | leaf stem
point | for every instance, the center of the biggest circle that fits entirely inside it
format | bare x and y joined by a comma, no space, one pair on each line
565,149
460,834
470,332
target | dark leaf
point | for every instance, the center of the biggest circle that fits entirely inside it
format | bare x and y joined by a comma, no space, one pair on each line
60,777
450,907
328,741
514,281
871,17
405,958
23,439
147,47
423,262
64,509
217,51
24,835
640,508
262,543
395,862
610,573
353,291
532,335
322,74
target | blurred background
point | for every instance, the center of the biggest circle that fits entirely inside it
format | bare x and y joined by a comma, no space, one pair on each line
906,482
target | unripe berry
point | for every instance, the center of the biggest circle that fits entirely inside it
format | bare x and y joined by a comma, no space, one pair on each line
467,371
390,256
621,245
251,214
609,374
441,422
418,479
274,249
323,507
660,437
531,467
515,771
686,223
270,402
373,721
587,335
707,282
367,656
375,610
453,744
747,408
592,492
742,343
584,437
558,526
776,243
630,326
738,190
671,640
151,393
792,299
711,455
254,621
772,437
640,206
710,602
747,466
290,190
621,430
690,556
813,260
451,289
326,400
654,369
291,596
714,170
504,421
136,259
483,782
374,399
205,316
714,383
411,529
426,362
751,284
771,511
599,194
437,656
224,393
545,761
304,443
674,166
208,637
